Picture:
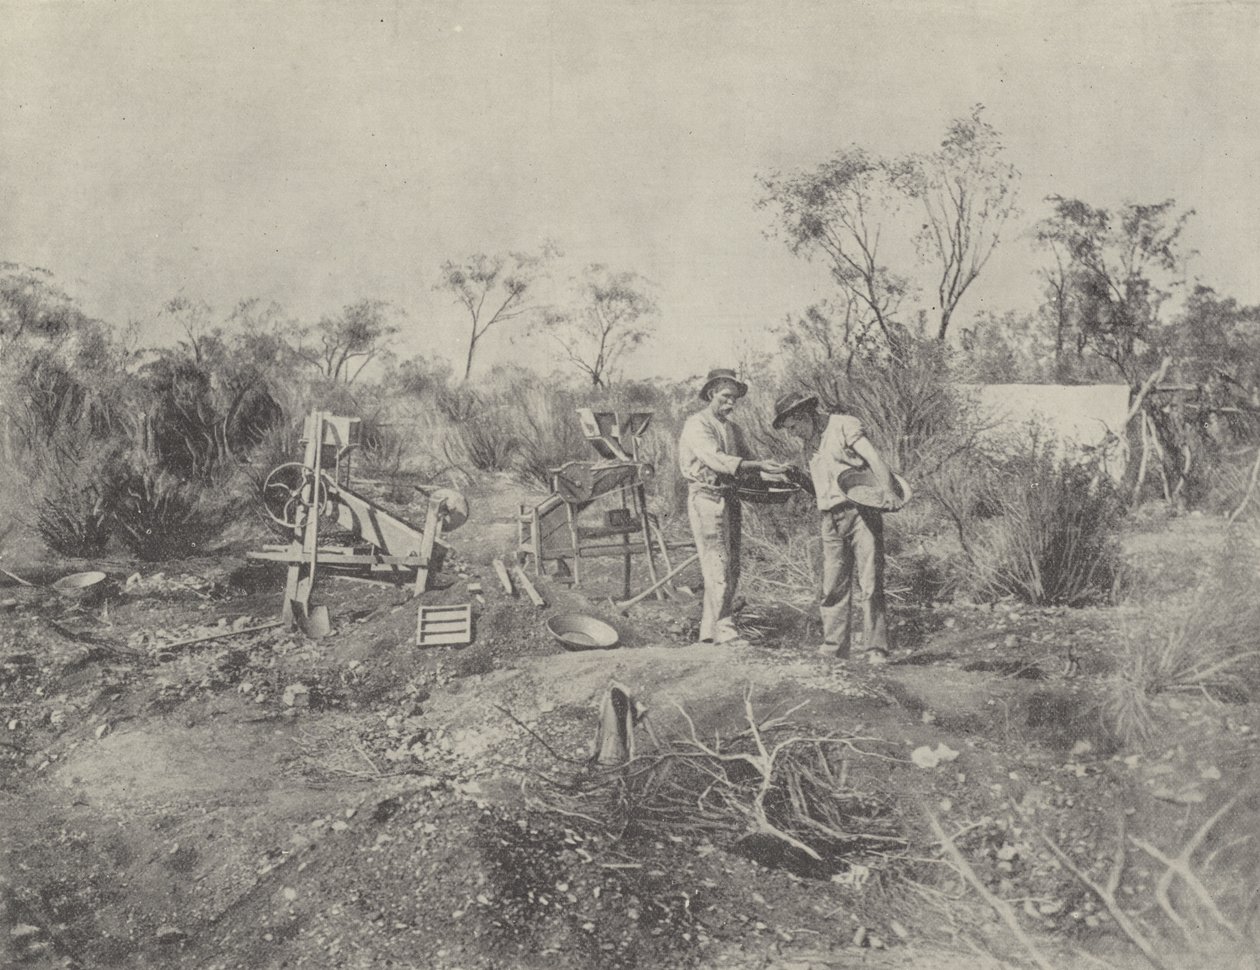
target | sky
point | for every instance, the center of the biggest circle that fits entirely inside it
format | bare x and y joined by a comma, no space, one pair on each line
318,153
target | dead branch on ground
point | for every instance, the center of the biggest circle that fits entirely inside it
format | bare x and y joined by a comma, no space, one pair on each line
1106,894
773,779
996,903
1180,865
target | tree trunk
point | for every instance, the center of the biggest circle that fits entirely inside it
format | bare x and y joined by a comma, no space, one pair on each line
472,345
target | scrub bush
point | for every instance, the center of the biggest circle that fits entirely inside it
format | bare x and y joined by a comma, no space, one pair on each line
76,493
1043,529
161,517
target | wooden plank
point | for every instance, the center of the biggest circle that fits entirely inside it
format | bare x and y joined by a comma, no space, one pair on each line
363,550
348,559
387,532
222,635
502,572
365,580
594,552
526,585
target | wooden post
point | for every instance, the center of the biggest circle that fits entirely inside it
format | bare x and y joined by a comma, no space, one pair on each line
301,539
431,527
660,538
577,544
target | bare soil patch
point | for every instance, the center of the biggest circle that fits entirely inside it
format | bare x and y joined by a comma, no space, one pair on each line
269,801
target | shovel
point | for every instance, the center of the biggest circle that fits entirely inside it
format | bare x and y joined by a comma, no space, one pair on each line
625,605
313,621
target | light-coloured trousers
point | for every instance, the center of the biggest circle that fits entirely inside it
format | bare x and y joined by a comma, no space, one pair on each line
853,549
716,522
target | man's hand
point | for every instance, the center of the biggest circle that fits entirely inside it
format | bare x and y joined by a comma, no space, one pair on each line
763,465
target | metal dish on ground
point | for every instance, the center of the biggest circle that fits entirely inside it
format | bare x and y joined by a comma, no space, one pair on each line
860,486
79,585
577,631
766,494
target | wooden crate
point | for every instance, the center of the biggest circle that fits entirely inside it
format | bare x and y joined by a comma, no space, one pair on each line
444,625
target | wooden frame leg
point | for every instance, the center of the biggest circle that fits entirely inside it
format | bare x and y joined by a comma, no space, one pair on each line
640,501
431,528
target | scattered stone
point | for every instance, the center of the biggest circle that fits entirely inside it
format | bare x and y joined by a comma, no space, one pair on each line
101,731
24,931
859,938
1190,794
297,695
167,935
926,757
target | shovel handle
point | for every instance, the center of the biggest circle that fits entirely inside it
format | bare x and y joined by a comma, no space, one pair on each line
625,606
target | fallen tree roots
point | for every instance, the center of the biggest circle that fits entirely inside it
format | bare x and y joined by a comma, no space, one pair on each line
774,789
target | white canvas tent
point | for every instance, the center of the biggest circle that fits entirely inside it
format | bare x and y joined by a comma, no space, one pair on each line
1082,419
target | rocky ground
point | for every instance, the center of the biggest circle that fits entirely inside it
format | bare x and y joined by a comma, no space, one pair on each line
264,800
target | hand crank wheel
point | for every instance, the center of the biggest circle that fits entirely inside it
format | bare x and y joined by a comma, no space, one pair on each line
290,491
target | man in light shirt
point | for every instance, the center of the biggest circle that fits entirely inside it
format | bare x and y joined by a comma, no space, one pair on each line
712,455
852,535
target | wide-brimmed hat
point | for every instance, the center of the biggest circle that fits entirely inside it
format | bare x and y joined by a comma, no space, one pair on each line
861,487
722,374
789,404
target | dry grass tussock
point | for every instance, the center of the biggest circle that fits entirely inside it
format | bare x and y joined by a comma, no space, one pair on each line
1034,525
1211,645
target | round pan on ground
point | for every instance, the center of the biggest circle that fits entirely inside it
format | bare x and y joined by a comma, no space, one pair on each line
577,631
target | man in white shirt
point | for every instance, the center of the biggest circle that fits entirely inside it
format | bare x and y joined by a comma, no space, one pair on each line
712,454
852,535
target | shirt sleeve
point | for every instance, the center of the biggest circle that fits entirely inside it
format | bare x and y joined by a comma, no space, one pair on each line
851,430
704,443
847,429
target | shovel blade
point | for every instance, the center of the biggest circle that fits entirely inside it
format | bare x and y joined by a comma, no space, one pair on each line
312,621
